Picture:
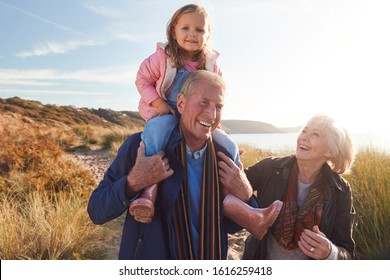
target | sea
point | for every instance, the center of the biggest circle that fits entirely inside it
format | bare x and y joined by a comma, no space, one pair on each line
286,142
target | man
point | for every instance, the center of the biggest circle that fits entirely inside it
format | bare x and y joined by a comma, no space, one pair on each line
189,221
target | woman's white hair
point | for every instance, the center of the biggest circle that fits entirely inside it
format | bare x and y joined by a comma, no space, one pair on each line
340,143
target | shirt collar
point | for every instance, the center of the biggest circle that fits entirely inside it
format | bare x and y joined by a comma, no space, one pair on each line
197,154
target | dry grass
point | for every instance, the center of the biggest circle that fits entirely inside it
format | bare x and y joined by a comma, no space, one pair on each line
370,181
46,226
251,155
115,138
43,195
108,138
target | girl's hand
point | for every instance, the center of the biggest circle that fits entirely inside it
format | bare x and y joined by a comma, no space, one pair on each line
162,107
314,244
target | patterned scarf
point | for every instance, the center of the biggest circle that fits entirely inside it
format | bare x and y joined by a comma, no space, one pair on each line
210,213
291,221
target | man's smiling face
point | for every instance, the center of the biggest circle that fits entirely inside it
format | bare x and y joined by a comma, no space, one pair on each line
200,113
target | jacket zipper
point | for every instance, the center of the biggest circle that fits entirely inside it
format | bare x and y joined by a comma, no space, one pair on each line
139,244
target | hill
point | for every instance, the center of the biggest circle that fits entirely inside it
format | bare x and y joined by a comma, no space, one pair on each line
248,127
69,115
72,116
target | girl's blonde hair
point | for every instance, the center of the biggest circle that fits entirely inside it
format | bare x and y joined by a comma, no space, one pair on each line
173,50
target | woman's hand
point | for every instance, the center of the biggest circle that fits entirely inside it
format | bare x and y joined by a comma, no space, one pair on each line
314,244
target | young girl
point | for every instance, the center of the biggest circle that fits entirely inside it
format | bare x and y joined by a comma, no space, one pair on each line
159,81
161,76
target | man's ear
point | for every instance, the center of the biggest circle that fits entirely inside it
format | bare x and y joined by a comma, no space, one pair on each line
180,102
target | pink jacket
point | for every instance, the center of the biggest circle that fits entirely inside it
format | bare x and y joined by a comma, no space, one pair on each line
155,77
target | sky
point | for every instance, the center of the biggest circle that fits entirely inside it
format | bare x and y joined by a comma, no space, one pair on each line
283,60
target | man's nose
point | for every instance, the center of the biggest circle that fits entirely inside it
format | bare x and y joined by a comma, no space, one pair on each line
212,111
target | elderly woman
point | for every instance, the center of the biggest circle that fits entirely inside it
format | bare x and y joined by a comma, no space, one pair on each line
317,215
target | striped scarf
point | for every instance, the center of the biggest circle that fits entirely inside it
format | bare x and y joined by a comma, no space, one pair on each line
292,220
210,238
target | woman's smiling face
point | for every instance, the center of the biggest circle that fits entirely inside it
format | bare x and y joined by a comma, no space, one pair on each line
313,143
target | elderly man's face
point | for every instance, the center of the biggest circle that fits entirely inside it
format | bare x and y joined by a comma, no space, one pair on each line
200,113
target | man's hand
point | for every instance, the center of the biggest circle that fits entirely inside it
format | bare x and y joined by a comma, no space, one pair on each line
233,178
147,171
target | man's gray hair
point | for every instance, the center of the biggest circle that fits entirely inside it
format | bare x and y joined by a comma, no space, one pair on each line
199,76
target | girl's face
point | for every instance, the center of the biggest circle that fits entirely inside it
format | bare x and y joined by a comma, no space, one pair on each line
191,33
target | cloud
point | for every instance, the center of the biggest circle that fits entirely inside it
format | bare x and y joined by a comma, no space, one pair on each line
51,92
116,75
48,48
45,20
116,29
54,48
104,11
25,77
121,24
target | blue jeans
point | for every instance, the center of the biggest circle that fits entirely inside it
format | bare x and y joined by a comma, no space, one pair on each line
176,88
220,137
157,132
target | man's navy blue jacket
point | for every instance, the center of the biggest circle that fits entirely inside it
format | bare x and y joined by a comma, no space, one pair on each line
156,240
